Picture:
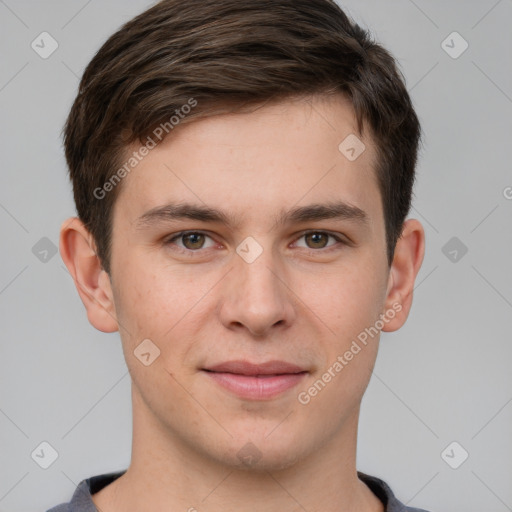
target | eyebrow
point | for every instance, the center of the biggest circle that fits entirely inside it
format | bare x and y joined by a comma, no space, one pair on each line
310,213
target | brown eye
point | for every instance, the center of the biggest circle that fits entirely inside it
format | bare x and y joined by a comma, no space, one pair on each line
193,240
190,241
317,240
320,241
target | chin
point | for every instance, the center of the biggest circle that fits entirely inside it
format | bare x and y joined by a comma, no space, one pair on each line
259,454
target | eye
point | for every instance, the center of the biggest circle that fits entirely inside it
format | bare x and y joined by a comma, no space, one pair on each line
319,240
190,240
193,241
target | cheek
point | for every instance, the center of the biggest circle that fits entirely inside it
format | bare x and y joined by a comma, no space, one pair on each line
163,308
350,309
149,296
347,301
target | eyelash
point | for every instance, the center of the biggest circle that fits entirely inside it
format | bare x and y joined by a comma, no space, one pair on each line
328,249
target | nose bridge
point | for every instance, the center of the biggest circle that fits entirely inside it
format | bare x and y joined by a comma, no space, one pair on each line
256,274
258,280
257,298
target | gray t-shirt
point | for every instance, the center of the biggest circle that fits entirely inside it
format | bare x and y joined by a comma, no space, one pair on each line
82,502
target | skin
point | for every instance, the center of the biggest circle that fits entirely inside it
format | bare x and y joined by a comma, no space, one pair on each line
304,300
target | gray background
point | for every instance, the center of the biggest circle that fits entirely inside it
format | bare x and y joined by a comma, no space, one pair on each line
444,377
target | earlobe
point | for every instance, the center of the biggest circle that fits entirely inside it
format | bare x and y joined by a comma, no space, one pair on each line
406,264
77,250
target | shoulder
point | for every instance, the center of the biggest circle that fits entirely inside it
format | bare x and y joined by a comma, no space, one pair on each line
63,507
382,490
81,500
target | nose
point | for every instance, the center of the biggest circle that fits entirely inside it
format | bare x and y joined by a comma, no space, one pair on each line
256,296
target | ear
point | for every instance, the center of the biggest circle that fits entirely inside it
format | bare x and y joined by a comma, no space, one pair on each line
407,260
77,249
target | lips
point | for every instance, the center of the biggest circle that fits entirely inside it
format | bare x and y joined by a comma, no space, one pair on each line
246,368
256,381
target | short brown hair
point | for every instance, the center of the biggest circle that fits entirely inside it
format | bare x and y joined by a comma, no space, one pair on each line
226,55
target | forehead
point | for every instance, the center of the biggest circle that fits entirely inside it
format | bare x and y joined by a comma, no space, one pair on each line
283,154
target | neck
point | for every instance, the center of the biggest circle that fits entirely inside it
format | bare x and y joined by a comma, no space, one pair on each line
168,474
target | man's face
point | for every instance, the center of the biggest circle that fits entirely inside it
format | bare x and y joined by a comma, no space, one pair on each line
256,289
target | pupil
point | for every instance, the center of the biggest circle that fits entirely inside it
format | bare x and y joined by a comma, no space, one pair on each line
193,238
316,237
